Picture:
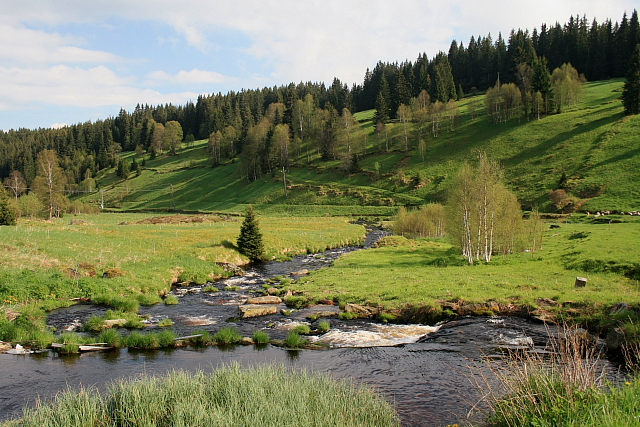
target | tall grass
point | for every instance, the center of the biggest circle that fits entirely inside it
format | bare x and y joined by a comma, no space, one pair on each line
230,396
566,387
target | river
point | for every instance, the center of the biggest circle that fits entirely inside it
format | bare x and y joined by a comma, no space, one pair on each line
426,371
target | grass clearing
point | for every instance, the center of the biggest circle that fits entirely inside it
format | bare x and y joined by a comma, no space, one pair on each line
265,396
423,272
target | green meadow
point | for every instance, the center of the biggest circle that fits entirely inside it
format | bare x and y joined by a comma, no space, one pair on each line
593,146
69,257
427,272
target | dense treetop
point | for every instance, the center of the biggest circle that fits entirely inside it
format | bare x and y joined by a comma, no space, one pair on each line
245,122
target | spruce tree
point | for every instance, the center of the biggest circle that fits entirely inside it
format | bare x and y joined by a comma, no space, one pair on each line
631,89
250,239
7,211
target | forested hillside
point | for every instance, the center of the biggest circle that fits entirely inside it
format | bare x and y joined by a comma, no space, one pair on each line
528,76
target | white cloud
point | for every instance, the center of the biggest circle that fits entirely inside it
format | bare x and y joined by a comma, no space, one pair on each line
25,46
78,87
58,125
194,76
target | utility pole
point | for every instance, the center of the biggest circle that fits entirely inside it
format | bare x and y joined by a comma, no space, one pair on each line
101,198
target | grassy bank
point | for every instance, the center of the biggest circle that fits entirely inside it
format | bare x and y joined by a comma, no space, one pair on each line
409,272
262,396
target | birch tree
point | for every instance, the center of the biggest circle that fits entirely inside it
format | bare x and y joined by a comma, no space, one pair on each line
483,217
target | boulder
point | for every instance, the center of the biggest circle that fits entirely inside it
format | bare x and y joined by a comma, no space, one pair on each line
265,300
619,308
360,310
256,310
581,282
273,291
115,322
302,272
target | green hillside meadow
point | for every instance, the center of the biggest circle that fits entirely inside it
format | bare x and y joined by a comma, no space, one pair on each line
593,144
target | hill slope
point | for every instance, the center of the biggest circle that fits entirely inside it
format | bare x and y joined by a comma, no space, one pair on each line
591,148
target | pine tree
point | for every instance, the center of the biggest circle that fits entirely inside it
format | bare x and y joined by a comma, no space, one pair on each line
250,239
7,211
631,89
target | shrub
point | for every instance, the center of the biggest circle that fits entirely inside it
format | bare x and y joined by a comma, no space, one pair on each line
261,337
295,301
227,336
170,300
205,339
112,337
346,315
302,329
165,322
324,327
149,299
294,340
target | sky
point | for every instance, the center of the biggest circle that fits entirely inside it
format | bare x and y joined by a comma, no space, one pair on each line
71,61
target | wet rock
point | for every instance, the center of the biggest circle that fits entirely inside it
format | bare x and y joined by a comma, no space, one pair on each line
302,272
619,308
273,291
115,322
4,347
616,339
360,310
246,341
230,267
265,300
256,310
581,282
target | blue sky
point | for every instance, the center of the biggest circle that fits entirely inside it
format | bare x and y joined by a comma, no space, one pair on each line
70,61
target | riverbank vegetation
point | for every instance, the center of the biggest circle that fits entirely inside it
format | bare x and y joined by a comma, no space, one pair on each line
261,396
567,386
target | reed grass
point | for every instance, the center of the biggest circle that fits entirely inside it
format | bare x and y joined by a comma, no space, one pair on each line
566,387
227,336
265,396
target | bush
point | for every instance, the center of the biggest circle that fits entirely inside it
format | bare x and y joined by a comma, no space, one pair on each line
294,340
323,327
165,322
295,301
227,336
170,300
112,337
148,299
261,337
302,329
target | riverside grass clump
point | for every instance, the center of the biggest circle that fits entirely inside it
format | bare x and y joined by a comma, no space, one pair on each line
567,387
230,395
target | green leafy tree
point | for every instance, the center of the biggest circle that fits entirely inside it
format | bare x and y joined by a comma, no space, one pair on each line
8,212
631,89
250,239
49,183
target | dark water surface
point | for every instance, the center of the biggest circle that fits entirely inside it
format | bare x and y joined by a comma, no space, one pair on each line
425,373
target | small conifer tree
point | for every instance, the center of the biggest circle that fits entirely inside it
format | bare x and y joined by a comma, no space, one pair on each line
250,239
7,211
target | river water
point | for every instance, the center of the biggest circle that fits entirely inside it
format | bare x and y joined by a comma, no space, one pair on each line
426,371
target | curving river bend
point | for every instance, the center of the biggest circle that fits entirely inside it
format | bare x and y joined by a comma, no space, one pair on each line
424,370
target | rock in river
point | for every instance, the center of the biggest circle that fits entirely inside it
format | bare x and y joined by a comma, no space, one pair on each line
255,310
265,300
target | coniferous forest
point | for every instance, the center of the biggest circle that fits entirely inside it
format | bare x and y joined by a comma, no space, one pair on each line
250,123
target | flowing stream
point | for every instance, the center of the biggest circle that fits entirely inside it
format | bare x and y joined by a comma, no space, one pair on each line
424,370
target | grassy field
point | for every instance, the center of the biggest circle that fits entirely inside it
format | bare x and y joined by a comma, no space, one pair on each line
423,272
69,257
593,145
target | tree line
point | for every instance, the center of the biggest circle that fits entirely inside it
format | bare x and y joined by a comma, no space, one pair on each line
269,126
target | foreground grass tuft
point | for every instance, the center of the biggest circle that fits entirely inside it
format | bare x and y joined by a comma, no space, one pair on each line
229,396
